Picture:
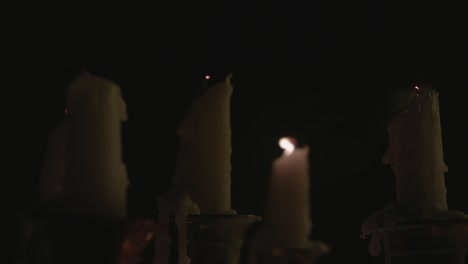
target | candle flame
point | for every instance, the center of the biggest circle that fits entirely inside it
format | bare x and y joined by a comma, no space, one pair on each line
416,88
207,77
288,144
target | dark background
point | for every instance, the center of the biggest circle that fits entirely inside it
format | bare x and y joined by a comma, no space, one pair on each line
325,72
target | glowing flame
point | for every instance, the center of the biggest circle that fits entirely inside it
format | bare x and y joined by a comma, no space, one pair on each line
416,88
288,144
207,77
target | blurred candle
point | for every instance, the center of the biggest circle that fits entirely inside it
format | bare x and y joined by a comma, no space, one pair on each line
287,216
96,180
202,179
203,168
415,153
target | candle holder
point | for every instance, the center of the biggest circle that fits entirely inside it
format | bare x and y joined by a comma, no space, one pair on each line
50,235
443,241
309,254
217,239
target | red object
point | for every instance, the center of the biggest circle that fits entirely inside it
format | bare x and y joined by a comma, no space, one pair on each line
136,240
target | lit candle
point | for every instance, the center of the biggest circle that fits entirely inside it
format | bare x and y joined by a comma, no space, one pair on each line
203,168
415,153
287,216
96,180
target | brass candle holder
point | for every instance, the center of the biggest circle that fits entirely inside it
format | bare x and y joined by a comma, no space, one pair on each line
52,236
309,254
442,241
409,237
217,239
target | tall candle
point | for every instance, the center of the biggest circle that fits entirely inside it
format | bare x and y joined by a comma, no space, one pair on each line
415,153
54,169
287,216
96,181
203,167
202,179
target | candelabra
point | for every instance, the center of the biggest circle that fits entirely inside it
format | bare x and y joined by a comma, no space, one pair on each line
439,237
309,254
441,242
51,236
217,239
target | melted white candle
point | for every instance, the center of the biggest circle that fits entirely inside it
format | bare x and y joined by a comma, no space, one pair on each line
96,181
203,167
415,153
202,179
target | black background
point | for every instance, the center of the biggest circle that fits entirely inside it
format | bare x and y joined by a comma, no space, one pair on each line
324,72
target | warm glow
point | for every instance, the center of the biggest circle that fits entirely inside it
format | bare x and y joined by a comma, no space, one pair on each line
288,144
416,88
207,77
149,236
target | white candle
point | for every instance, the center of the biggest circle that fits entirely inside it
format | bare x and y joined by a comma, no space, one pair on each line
96,181
287,218
202,179
54,169
415,153
203,168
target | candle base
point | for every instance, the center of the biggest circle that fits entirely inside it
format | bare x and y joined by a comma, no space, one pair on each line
50,235
217,239
427,242
308,254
